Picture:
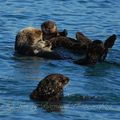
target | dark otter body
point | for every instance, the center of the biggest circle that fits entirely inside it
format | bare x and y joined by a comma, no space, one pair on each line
50,88
68,43
60,39
97,51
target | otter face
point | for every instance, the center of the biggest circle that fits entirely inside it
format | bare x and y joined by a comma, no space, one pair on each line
58,79
94,54
95,51
49,27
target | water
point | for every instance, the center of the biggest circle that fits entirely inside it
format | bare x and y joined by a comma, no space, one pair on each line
19,75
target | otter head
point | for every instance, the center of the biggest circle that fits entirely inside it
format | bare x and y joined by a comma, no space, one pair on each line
49,27
95,51
50,88
59,79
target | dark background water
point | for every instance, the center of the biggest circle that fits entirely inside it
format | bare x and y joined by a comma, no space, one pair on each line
20,75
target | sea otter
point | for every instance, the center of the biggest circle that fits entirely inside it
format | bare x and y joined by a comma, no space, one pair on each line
49,29
34,42
29,41
96,50
50,88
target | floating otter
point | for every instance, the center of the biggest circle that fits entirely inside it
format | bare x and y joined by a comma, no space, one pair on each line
34,42
96,50
49,29
29,41
58,39
50,88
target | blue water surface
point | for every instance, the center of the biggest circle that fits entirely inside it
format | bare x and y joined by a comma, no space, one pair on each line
19,75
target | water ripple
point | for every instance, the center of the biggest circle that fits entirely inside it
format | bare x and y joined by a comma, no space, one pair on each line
19,75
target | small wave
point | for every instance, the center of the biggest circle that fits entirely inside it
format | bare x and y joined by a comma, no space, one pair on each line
79,97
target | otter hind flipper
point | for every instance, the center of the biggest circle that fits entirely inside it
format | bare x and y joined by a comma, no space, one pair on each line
110,41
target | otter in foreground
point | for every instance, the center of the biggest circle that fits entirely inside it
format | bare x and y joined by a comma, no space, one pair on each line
50,88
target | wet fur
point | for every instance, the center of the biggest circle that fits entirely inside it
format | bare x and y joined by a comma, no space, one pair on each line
49,29
97,51
29,41
50,88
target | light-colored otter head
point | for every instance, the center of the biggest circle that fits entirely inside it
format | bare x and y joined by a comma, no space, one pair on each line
29,41
49,27
29,35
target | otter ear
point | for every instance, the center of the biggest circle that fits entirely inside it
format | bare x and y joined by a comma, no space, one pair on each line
110,41
63,33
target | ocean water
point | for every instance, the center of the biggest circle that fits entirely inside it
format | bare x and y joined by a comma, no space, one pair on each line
19,75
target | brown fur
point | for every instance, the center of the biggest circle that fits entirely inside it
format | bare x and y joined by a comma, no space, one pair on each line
50,88
67,43
83,39
29,41
49,29
97,51
60,39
